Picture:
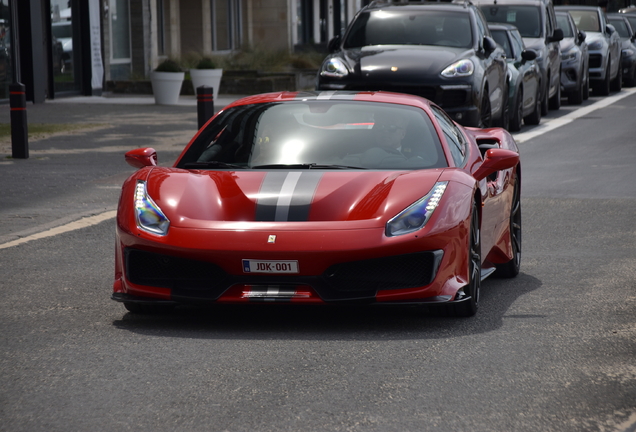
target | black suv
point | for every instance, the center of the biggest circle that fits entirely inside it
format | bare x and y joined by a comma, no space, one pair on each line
443,52
536,21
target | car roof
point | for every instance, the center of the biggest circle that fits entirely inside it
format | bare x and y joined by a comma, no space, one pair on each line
382,4
577,7
510,2
344,95
501,26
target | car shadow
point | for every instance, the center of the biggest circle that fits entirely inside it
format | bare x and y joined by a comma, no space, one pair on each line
296,322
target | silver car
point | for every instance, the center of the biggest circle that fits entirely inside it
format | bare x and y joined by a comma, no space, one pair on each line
575,78
604,46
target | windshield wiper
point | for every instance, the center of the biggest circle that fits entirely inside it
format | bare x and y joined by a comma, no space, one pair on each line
306,166
211,164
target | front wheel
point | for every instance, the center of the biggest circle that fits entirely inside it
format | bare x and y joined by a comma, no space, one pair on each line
617,83
534,118
486,112
517,114
469,307
555,101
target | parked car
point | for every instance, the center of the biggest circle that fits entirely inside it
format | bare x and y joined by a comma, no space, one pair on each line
524,77
312,198
443,52
604,47
575,77
63,32
536,22
630,14
628,53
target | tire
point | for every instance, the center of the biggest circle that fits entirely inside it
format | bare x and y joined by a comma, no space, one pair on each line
603,88
577,96
469,307
504,119
630,80
511,268
544,99
586,87
142,308
485,112
555,101
516,119
617,83
534,118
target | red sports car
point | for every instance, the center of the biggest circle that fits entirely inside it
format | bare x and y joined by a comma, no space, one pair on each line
322,198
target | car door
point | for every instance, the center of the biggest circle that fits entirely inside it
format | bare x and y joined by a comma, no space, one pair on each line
529,70
494,67
554,50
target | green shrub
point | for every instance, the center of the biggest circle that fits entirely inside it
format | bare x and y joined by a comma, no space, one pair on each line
206,63
169,65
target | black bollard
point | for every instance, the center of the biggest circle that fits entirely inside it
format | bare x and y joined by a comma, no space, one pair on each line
205,104
19,128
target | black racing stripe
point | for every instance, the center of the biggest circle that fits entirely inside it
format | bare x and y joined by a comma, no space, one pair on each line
300,203
303,196
268,196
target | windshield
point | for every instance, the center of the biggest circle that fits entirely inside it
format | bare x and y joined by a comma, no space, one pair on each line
564,24
526,18
317,134
586,20
62,30
408,27
501,38
621,27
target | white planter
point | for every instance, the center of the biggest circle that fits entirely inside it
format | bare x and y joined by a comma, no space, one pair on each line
166,86
208,77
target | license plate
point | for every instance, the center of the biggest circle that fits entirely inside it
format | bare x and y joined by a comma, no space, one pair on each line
257,266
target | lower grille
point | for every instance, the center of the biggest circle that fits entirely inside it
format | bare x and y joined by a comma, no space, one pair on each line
596,61
394,272
151,269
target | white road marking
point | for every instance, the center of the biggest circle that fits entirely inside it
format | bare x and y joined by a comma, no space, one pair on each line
79,224
549,125
519,137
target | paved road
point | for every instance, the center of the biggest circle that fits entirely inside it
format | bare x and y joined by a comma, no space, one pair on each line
552,350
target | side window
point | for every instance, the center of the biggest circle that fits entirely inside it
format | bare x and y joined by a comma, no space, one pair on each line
482,26
517,43
549,22
454,137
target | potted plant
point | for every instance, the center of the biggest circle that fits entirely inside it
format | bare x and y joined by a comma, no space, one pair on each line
206,73
167,80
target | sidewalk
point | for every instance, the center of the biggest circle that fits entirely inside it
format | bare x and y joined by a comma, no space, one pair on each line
125,99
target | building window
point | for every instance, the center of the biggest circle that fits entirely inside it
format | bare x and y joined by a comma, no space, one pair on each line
120,50
226,24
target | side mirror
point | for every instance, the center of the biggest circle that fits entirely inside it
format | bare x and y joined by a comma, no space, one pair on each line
142,157
582,36
609,29
528,54
334,44
557,35
496,160
489,45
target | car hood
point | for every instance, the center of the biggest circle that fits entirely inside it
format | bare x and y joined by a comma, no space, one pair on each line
567,44
536,44
393,62
193,198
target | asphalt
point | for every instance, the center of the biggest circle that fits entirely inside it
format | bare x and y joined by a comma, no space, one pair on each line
78,171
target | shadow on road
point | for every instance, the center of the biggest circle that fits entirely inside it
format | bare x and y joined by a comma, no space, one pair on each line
284,322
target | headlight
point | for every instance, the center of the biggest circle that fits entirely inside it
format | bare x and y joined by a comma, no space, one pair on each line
148,215
568,55
461,68
415,216
335,68
596,45
628,52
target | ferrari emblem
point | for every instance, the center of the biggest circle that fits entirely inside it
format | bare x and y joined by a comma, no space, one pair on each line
271,239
